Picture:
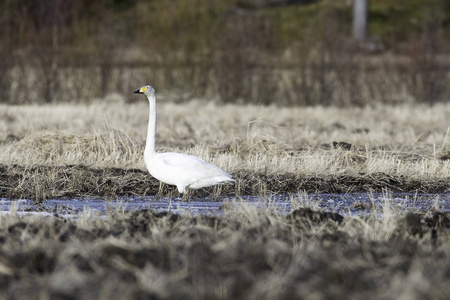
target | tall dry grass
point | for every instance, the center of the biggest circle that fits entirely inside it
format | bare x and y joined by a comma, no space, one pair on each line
406,140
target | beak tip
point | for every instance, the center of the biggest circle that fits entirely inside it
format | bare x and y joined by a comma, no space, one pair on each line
136,92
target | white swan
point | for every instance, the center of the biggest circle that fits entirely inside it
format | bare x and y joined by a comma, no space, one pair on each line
182,170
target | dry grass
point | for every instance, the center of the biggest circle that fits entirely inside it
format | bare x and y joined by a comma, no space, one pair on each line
263,146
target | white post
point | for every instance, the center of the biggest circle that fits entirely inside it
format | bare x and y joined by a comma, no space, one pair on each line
360,19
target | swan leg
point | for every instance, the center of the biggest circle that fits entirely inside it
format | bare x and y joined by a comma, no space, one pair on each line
185,196
160,190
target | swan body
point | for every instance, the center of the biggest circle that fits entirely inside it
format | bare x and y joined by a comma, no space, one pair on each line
179,169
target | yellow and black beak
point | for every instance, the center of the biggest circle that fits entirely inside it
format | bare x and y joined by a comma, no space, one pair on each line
141,90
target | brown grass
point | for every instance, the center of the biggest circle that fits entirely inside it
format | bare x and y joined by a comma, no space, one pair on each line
268,148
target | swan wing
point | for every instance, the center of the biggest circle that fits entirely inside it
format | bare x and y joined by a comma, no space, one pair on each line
186,170
196,167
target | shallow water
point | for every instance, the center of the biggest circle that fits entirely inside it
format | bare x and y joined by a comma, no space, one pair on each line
345,204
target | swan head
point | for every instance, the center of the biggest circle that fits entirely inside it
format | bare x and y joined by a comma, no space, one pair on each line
147,90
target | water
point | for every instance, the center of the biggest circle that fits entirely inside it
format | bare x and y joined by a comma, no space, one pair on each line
345,204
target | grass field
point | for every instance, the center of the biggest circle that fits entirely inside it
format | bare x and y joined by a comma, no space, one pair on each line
248,252
96,150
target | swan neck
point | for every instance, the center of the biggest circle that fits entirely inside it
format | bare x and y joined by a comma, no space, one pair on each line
151,131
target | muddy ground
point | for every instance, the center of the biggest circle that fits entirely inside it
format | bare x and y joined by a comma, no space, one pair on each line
40,183
257,255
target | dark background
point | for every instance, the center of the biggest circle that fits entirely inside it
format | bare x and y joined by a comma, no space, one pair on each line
247,51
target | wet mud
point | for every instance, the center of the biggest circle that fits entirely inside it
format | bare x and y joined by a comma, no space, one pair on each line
44,182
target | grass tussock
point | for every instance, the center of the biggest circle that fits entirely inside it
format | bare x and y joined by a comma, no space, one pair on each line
268,149
247,253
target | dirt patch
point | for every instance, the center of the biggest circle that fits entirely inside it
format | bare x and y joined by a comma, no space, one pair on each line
44,182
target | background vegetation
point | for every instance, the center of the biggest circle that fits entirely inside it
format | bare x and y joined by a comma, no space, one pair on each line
232,51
